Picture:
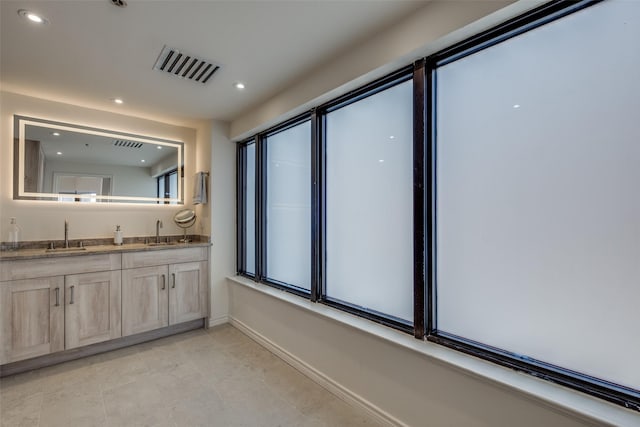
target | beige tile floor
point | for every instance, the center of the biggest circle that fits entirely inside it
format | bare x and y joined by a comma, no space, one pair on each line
217,377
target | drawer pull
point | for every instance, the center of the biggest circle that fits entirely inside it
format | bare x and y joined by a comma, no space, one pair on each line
71,298
164,279
173,276
57,297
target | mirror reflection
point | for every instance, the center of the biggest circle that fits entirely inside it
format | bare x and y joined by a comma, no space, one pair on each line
58,161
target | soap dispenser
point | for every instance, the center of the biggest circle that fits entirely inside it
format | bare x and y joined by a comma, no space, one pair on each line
117,236
14,235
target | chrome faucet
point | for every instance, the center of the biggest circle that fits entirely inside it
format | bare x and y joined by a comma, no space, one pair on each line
158,227
66,233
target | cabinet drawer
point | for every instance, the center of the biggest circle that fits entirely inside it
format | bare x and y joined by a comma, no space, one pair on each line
163,257
58,266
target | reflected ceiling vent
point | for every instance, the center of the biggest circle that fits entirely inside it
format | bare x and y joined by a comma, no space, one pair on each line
185,66
127,144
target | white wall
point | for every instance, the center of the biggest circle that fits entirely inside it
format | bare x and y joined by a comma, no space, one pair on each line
223,211
41,220
411,388
164,165
126,181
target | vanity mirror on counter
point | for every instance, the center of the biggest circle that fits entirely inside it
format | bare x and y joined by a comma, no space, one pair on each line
68,162
185,219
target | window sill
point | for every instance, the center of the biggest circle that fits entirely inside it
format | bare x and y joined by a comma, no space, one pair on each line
577,404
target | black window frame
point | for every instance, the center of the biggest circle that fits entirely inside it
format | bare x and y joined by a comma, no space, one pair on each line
166,193
423,73
261,157
241,209
535,18
400,76
317,136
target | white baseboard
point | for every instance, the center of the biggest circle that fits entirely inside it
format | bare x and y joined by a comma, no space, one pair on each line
217,321
320,378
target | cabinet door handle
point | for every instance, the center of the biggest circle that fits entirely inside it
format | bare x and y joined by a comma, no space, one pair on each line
71,298
173,276
164,280
57,297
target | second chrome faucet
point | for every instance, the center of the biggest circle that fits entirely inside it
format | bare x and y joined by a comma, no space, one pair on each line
66,233
158,227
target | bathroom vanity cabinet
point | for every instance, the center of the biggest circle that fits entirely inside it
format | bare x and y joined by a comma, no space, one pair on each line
92,308
64,303
57,303
158,291
32,317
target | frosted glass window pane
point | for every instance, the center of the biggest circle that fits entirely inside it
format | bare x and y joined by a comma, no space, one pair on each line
370,203
289,206
161,186
250,209
538,208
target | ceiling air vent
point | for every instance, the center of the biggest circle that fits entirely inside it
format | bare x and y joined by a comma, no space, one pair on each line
127,144
184,65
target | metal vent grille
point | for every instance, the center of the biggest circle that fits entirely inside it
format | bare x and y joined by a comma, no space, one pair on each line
185,66
127,144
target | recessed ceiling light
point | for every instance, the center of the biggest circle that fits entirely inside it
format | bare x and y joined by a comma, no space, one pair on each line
59,153
142,161
238,85
55,133
516,105
118,100
33,17
381,160
159,147
392,137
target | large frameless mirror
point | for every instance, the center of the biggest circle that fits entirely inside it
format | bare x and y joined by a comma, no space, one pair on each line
66,162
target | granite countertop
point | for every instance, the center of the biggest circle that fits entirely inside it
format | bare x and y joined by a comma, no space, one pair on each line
21,254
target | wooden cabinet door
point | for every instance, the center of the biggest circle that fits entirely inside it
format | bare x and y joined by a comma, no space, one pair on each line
92,310
32,156
188,292
32,318
145,299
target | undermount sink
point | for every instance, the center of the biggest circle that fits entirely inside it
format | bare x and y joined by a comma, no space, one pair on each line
66,249
162,244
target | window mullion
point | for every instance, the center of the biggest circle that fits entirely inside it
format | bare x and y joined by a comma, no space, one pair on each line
241,204
316,184
430,220
322,200
261,208
419,255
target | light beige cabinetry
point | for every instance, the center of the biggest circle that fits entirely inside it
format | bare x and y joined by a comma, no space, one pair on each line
163,288
187,292
57,303
145,299
32,317
92,308
33,166
52,304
